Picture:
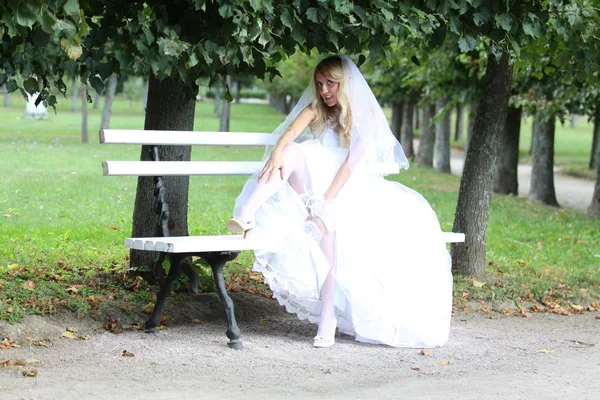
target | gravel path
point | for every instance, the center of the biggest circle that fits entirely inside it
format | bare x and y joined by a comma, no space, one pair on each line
543,357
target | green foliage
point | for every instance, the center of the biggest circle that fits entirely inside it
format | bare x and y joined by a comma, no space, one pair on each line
197,42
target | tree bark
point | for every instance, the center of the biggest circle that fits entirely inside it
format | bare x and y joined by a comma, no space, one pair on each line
506,177
594,209
474,197
218,101
406,133
74,97
532,136
441,153
471,124
111,89
226,107
542,166
427,139
417,117
459,124
145,93
170,107
396,126
595,153
84,114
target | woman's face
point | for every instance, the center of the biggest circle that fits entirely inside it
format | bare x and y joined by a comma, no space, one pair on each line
327,88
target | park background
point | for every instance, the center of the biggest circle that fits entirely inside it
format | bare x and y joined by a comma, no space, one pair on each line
511,65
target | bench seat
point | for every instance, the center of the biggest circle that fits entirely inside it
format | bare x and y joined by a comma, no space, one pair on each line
193,244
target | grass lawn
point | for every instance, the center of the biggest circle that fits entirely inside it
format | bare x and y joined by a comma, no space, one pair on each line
63,223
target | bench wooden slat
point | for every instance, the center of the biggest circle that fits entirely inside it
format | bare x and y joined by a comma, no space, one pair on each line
179,168
195,168
191,244
182,138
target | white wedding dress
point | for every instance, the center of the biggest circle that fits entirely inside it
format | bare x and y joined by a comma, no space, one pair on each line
393,281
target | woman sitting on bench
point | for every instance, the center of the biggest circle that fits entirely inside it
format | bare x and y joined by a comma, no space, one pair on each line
346,248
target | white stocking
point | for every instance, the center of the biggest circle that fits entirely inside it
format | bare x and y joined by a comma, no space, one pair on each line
295,174
327,321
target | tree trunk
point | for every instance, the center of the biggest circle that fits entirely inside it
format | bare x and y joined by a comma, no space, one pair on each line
474,197
238,91
406,136
595,154
145,93
441,153
417,117
74,98
218,101
111,89
532,136
459,124
506,177
7,98
427,139
397,116
542,165
224,121
170,107
84,114
594,209
471,124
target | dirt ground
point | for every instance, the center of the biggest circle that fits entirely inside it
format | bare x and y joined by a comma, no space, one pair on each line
543,357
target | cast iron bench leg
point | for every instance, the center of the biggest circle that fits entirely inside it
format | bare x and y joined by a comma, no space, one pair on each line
217,262
163,292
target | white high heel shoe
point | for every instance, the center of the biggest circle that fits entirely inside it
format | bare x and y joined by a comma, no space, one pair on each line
236,225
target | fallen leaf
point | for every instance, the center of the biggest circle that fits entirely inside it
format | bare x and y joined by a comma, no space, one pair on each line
20,363
415,369
426,352
30,372
262,322
111,325
84,337
114,228
29,285
8,343
72,289
445,362
44,342
127,354
149,308
583,345
545,351
478,284
5,363
196,320
578,308
525,314
136,326
597,316
68,335
71,329
595,306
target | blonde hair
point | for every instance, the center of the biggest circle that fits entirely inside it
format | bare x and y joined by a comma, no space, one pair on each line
342,114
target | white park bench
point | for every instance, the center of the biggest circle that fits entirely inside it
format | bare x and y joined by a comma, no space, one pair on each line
216,249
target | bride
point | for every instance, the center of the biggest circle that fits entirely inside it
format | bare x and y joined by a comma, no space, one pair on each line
344,247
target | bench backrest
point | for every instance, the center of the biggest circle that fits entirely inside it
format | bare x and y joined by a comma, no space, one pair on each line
193,138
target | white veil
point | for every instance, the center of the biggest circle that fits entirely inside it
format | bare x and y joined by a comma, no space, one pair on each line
372,141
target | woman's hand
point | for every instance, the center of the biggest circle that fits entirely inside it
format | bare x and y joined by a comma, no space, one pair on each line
273,165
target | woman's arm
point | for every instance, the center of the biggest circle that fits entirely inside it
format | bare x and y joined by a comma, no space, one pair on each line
339,180
275,161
